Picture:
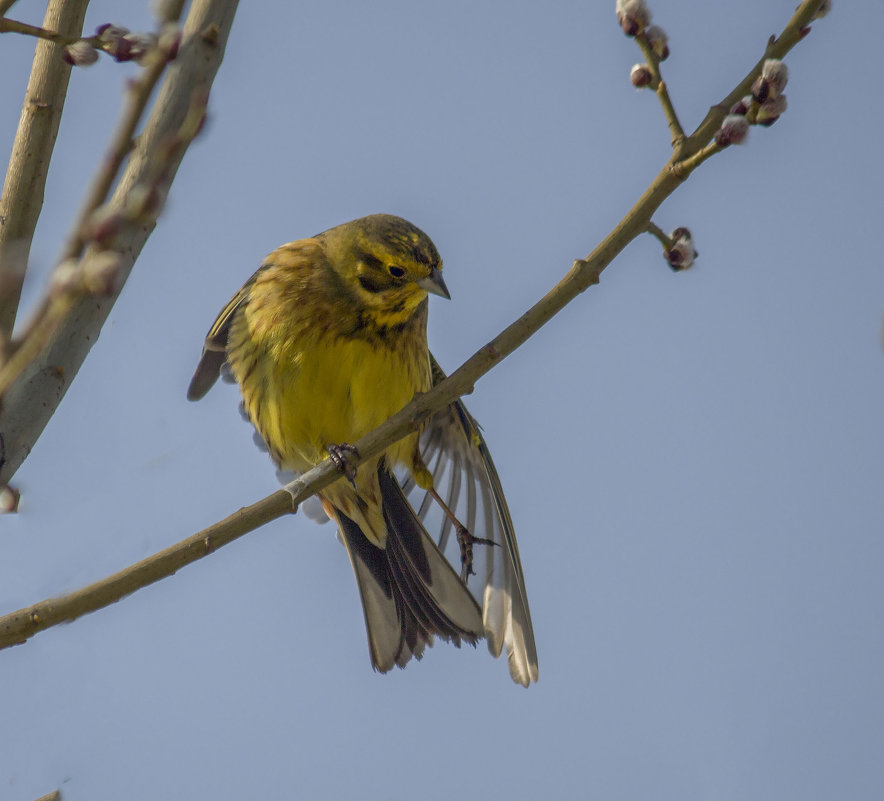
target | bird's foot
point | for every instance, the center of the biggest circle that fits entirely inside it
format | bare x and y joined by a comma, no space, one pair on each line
340,455
466,541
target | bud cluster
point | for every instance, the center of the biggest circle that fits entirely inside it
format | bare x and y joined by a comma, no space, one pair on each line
97,274
763,107
121,44
634,17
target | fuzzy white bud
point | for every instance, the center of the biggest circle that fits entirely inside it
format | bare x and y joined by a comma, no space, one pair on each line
659,41
733,131
633,15
101,272
641,76
770,110
682,254
9,499
81,54
776,73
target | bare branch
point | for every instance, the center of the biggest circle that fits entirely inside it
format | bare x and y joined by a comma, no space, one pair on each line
22,198
659,86
20,626
11,26
37,390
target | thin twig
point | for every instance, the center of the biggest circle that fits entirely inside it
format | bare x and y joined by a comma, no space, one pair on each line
11,26
659,85
660,235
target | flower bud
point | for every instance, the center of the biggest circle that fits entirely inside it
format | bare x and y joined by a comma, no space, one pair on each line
633,15
776,73
101,272
641,76
682,254
81,53
659,41
65,278
770,110
741,107
120,49
771,82
9,499
734,130
141,45
108,33
144,202
103,224
760,89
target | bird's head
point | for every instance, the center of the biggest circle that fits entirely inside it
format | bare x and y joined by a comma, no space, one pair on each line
389,264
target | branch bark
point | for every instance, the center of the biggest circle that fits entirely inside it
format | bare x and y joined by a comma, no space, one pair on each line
36,392
23,189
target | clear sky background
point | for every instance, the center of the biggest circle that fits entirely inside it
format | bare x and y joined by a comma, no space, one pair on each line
694,462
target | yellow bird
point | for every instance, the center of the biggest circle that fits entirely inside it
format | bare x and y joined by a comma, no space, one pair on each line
327,340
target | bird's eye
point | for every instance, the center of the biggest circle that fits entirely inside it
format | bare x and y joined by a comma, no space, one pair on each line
396,272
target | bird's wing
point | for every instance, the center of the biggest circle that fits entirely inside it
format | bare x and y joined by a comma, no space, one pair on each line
214,354
464,475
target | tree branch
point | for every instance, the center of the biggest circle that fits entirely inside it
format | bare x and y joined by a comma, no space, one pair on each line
52,308
48,34
17,627
22,198
36,391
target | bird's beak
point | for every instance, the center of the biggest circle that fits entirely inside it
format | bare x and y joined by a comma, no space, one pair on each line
434,284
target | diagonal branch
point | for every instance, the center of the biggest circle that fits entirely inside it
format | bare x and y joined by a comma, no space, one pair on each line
18,627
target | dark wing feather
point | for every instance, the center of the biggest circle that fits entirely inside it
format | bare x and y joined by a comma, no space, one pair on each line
410,593
214,353
465,476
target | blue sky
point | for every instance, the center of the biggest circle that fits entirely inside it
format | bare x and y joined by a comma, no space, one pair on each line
694,462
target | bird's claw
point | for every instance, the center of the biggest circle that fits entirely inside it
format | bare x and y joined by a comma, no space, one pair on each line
340,455
466,541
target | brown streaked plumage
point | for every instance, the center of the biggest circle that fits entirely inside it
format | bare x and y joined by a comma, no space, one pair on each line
326,341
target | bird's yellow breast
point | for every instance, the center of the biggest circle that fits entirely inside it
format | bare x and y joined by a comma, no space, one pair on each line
322,391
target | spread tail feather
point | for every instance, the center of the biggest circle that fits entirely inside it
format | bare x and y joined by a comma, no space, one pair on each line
410,593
